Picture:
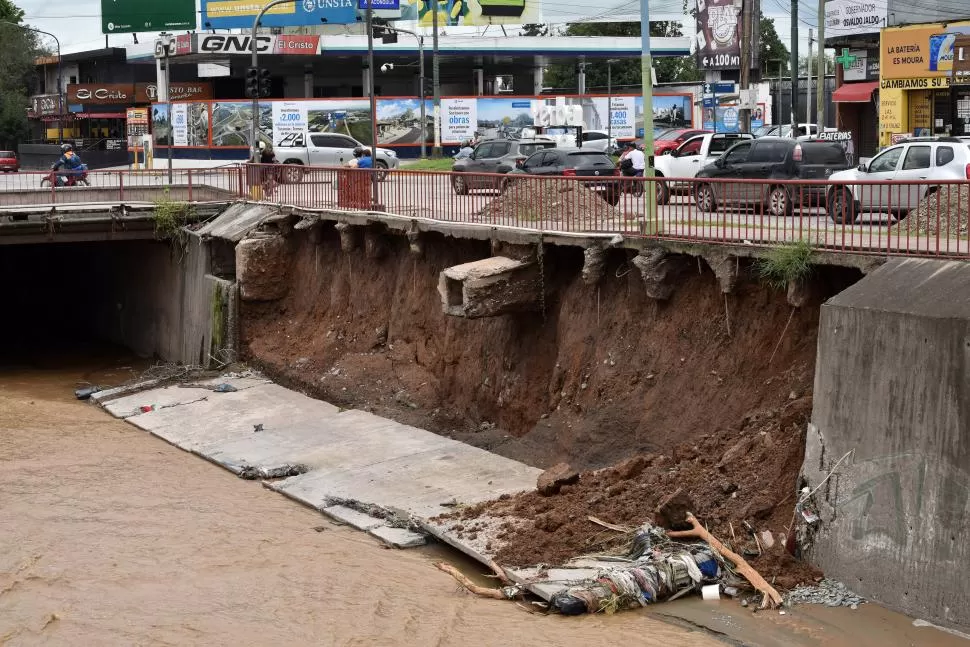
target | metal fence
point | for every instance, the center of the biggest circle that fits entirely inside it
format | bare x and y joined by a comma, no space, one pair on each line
917,218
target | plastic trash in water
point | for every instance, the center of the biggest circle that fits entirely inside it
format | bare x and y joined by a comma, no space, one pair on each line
711,592
86,392
225,388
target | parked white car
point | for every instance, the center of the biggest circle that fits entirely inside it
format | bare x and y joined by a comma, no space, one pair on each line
689,158
327,149
600,140
913,160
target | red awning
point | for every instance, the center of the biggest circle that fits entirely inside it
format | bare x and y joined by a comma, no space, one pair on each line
855,92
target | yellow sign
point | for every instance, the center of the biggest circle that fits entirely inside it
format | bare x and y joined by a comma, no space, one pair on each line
919,83
891,110
919,52
247,8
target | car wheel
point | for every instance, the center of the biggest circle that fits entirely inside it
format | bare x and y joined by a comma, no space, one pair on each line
292,172
779,201
663,191
842,207
459,184
704,197
381,170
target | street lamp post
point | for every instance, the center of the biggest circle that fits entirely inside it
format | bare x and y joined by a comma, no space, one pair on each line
646,79
424,111
255,65
609,100
60,84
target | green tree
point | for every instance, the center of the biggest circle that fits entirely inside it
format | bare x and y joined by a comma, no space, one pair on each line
772,49
18,74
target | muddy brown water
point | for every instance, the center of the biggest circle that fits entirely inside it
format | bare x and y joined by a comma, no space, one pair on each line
113,537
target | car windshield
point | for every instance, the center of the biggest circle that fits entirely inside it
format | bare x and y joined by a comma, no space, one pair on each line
588,160
7,154
532,147
764,130
667,136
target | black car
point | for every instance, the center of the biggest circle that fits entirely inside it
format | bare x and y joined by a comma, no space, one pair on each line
765,160
590,165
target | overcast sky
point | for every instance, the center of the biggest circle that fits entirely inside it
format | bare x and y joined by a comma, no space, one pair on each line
77,23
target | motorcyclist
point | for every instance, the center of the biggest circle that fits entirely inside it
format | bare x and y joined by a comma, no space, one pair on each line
68,161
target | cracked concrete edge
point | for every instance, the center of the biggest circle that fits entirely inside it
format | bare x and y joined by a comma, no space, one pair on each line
102,397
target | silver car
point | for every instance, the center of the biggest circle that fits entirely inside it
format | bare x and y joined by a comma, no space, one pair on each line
491,158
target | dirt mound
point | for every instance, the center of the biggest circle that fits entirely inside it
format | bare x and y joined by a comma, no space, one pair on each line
945,212
747,474
550,200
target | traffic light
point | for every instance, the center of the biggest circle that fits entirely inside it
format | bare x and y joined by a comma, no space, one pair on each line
252,82
265,83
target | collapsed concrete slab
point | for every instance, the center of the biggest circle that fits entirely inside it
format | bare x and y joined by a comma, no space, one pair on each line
890,423
491,287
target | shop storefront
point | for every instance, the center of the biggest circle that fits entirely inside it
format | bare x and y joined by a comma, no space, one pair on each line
960,88
857,98
916,69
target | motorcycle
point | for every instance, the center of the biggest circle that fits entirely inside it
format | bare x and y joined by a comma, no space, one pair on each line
73,177
626,170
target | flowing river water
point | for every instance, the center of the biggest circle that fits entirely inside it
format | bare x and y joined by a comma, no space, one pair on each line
110,536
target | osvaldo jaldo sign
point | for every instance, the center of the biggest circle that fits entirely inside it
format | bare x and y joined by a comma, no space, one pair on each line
919,57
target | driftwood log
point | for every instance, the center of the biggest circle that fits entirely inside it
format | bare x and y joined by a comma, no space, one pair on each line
482,591
772,599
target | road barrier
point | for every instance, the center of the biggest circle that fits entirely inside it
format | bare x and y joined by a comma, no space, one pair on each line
915,218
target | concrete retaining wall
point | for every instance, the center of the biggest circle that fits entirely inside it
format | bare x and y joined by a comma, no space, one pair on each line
892,385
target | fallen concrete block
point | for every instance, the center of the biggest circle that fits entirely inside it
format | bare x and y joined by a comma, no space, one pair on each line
398,537
552,480
262,265
353,518
490,287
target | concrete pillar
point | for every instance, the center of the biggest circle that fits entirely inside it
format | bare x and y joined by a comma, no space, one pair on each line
365,78
308,82
491,287
659,271
581,75
262,268
479,81
538,74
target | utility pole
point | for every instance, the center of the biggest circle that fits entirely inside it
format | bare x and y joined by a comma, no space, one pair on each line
820,87
422,93
373,101
794,66
255,65
168,98
436,82
609,100
808,87
745,75
646,79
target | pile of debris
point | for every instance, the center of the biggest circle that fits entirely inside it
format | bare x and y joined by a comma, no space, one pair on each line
828,592
945,212
742,483
551,200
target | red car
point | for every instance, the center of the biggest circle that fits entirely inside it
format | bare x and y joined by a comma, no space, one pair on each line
9,162
671,139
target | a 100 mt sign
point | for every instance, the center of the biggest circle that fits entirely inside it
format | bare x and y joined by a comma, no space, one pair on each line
126,16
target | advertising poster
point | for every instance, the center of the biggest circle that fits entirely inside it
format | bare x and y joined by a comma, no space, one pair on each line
725,119
475,13
344,116
160,127
232,122
236,14
399,121
180,124
917,58
623,116
459,120
719,34
504,117
289,123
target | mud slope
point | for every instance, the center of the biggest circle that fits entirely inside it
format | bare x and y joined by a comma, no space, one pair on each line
608,372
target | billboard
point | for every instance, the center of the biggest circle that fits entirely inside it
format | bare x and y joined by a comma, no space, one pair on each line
919,57
240,14
228,44
851,17
472,13
719,34
126,16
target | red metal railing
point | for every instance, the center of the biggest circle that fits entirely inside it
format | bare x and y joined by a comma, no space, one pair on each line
921,218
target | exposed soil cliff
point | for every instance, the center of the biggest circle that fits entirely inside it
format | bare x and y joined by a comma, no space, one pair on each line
606,374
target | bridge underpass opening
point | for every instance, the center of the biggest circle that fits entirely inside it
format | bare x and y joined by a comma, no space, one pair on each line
66,296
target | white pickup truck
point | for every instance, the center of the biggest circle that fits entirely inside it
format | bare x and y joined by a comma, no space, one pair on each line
690,157
327,149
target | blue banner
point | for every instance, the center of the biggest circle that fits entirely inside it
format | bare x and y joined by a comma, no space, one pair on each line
379,5
239,14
